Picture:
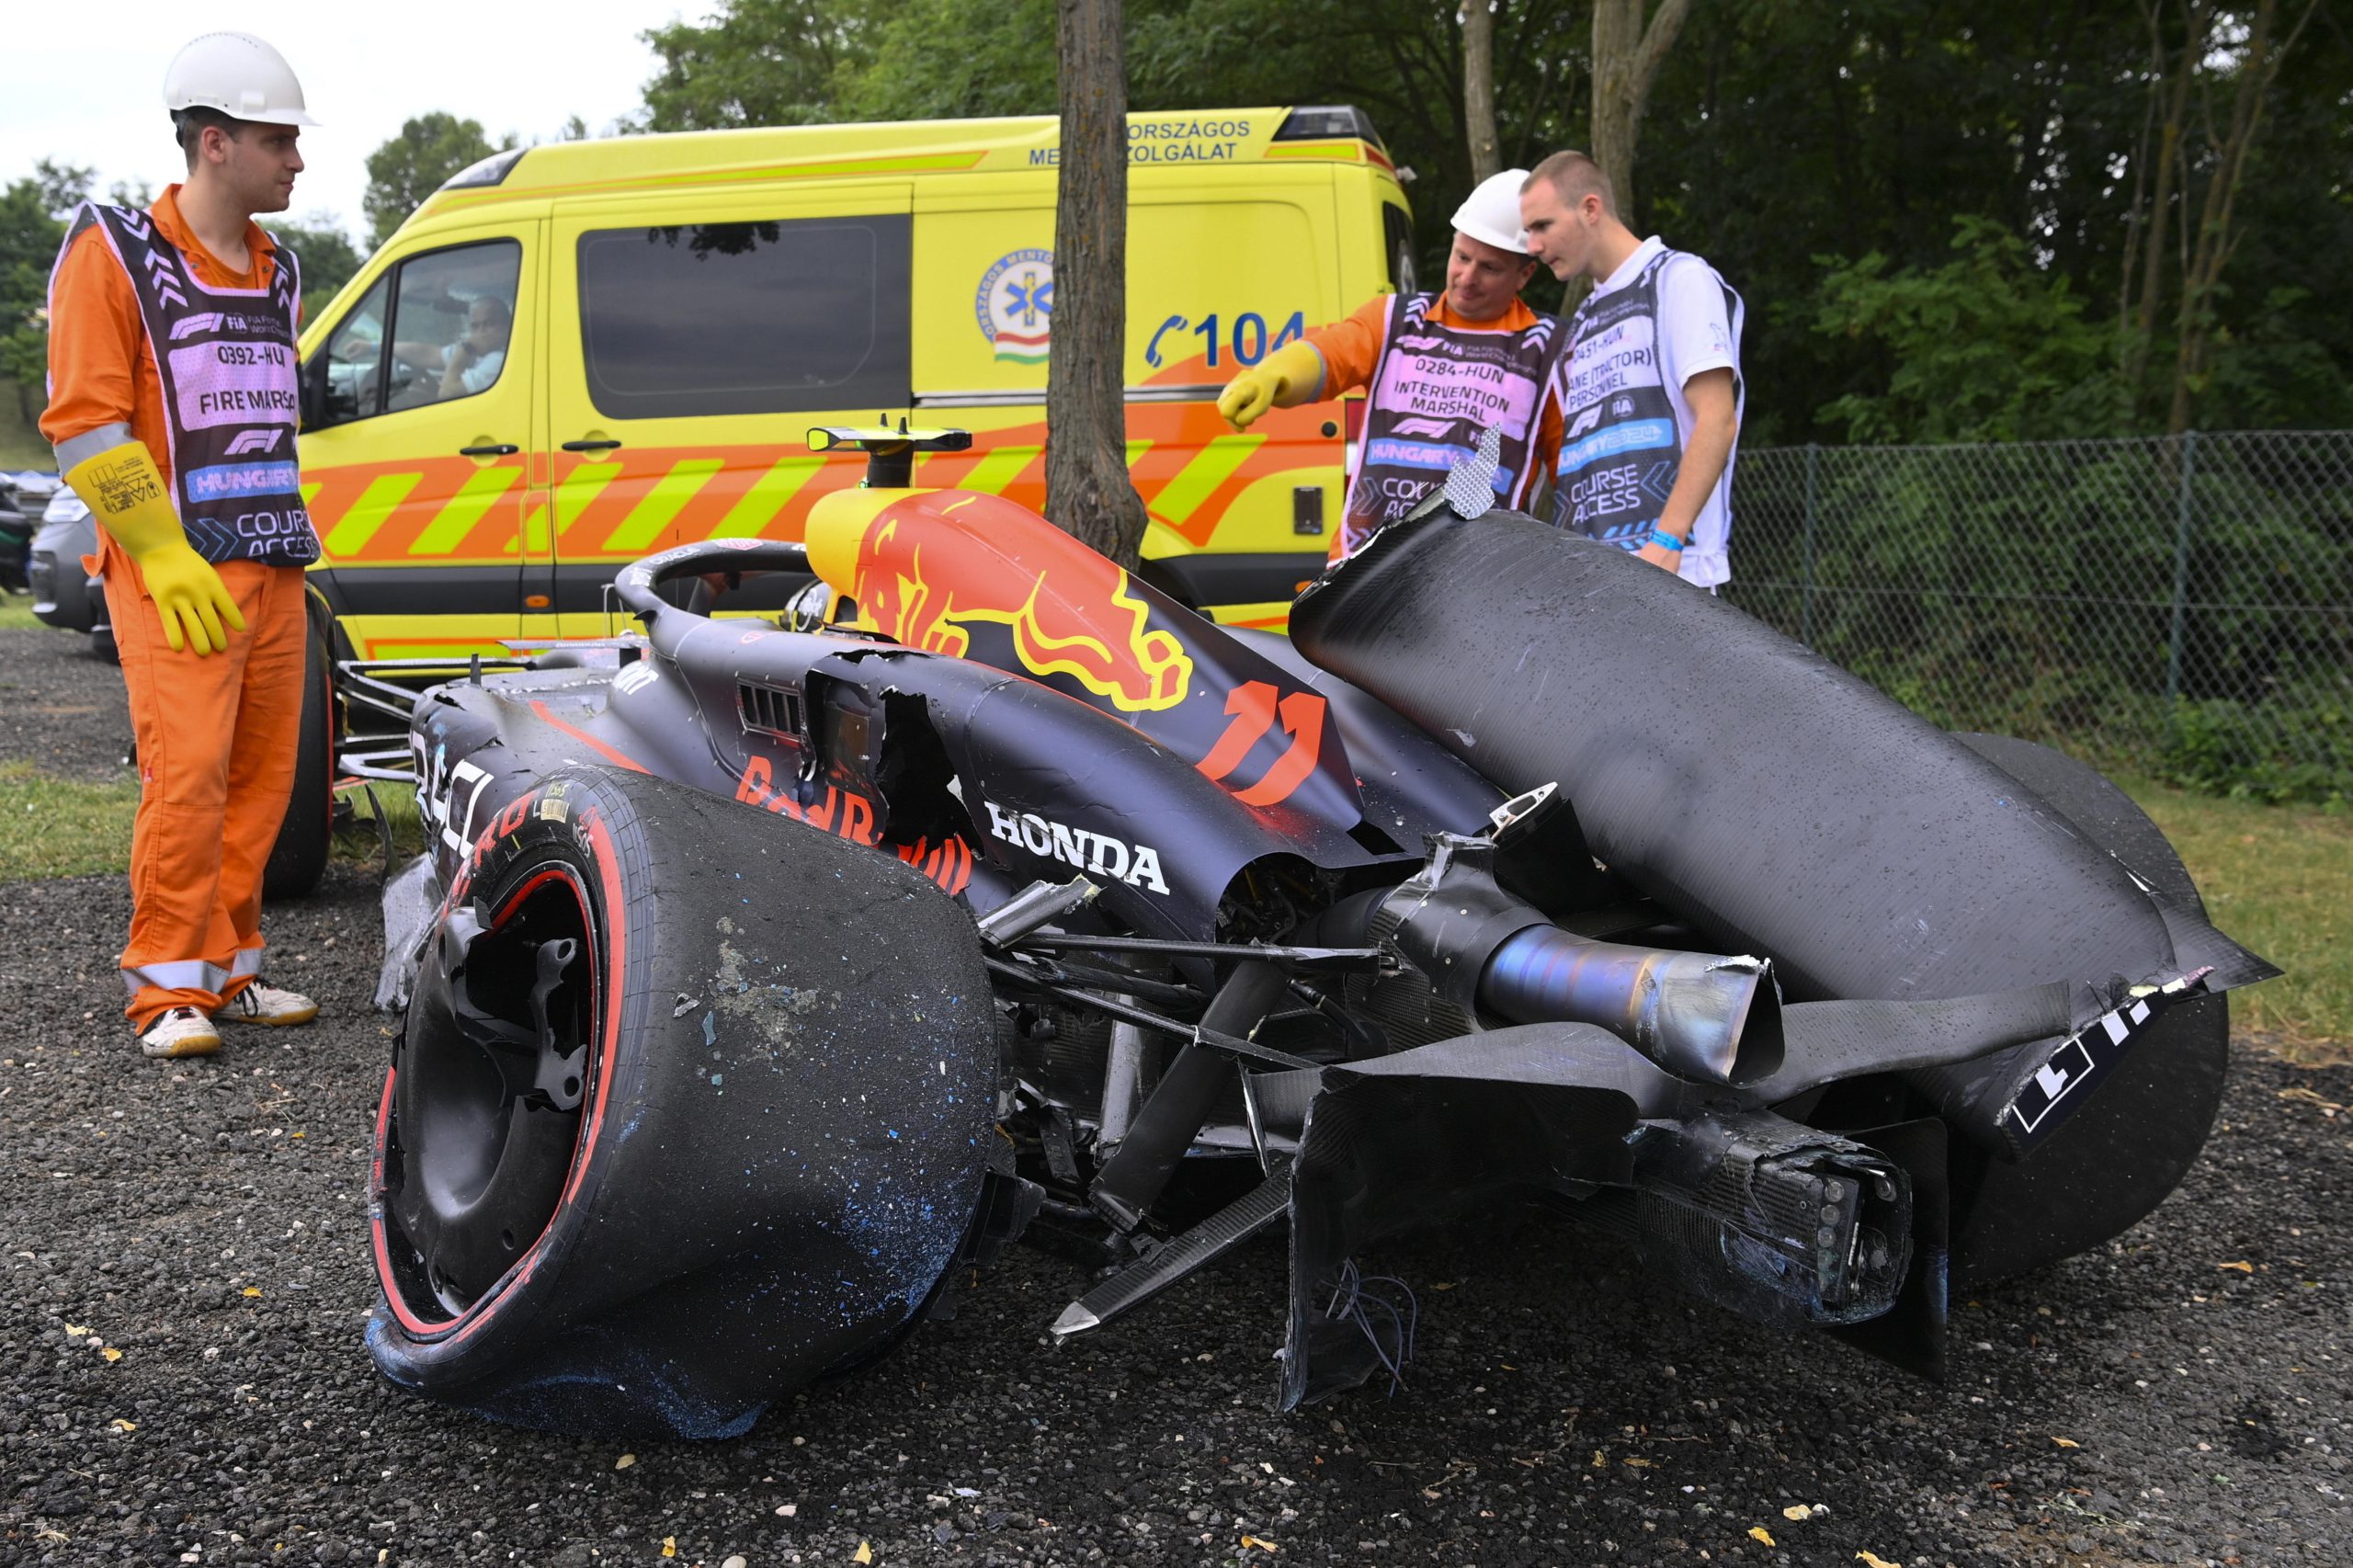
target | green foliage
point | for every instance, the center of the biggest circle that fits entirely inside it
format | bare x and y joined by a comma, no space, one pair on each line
2221,747
1777,134
1989,347
759,62
327,255
64,187
802,61
32,225
411,166
2031,589
1003,62
2277,371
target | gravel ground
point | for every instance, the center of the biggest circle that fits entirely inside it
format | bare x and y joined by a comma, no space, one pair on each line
61,707
2181,1397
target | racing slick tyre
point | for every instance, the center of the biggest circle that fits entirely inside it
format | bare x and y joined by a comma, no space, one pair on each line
2117,1155
300,856
691,1104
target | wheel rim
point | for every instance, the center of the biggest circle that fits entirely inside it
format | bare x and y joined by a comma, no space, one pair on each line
485,1112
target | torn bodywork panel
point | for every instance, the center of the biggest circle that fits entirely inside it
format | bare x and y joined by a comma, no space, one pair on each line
1523,872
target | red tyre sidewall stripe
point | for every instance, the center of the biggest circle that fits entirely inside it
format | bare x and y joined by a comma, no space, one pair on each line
456,1330
375,1200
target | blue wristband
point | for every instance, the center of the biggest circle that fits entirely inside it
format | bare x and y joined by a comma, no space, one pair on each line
1664,540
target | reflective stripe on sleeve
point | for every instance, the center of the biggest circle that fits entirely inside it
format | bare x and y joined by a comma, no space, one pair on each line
75,450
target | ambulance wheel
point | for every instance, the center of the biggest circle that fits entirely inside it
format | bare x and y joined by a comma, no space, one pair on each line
102,646
2117,1156
300,856
691,1104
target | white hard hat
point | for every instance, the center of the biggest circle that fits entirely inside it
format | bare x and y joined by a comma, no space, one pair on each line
1492,213
237,74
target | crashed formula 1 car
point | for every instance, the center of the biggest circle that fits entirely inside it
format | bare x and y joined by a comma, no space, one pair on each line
761,970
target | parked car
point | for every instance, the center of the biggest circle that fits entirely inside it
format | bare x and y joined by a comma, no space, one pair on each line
22,496
65,593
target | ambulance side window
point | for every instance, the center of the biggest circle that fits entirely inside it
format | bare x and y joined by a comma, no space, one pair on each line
1397,237
355,359
433,329
453,312
772,316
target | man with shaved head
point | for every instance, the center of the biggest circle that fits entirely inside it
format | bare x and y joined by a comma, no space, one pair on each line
1646,379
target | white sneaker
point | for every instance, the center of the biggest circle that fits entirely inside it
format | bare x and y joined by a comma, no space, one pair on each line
262,1002
183,1031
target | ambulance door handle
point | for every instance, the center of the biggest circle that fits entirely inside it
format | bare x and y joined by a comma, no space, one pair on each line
496,450
605,446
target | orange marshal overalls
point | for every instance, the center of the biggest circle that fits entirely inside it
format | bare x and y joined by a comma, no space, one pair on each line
216,734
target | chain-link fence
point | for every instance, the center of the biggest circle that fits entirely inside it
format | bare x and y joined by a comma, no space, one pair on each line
2182,607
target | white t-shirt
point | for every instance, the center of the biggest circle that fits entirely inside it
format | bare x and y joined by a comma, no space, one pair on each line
1695,334
480,375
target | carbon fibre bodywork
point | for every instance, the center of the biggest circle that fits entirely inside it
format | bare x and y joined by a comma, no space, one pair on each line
1467,891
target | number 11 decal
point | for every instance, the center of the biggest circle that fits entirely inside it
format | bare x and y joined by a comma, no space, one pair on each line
1254,708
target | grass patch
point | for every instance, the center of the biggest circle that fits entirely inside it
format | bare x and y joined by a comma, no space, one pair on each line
56,827
21,445
62,827
361,840
2276,878
17,614
2281,881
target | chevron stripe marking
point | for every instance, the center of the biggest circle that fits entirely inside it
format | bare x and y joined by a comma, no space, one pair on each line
534,536
766,497
376,504
663,501
578,490
1000,468
1194,483
459,514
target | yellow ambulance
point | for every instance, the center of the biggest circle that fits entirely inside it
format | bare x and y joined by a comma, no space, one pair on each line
576,354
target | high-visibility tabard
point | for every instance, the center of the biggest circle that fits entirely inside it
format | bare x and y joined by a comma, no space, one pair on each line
1620,448
1434,392
231,378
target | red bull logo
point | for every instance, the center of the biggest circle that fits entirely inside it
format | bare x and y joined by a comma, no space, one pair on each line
927,566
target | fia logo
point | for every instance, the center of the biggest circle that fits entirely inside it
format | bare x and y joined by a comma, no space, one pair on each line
1623,408
1014,305
255,441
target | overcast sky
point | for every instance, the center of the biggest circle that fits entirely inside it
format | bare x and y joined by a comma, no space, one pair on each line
86,80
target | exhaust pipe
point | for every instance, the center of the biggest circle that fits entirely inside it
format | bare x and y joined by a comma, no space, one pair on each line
1703,1016
1699,1016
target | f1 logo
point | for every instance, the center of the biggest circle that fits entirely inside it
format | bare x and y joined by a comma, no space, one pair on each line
1584,422
255,441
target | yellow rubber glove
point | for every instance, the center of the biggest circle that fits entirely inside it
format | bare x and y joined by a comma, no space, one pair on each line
1292,375
127,495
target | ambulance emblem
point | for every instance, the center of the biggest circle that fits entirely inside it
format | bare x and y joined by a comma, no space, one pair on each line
1014,305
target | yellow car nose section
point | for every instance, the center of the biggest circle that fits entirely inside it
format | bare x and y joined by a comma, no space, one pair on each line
837,526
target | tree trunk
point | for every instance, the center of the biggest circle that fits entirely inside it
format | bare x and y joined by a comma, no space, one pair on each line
1626,57
2196,19
1479,88
2201,275
1087,489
